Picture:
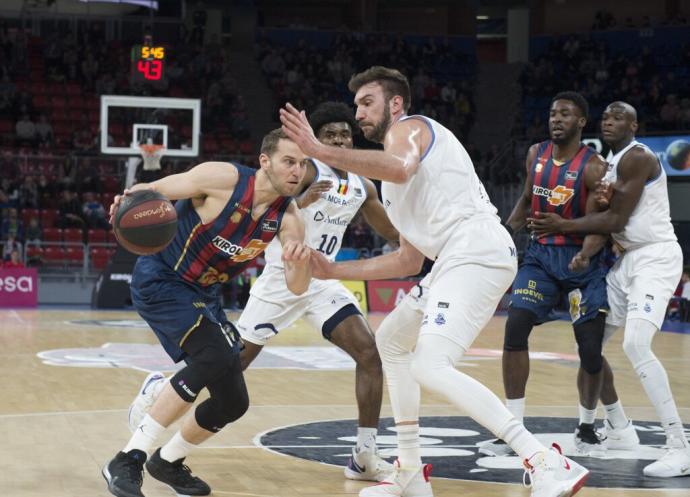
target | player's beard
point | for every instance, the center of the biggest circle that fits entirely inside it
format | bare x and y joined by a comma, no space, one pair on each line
378,133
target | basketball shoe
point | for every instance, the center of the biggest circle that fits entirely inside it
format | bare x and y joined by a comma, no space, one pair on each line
553,475
125,473
676,461
589,442
367,465
402,482
621,438
495,448
150,389
176,475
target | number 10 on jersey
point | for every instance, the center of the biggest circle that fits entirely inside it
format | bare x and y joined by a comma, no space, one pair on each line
328,244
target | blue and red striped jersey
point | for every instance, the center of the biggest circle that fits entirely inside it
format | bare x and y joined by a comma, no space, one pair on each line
208,254
560,189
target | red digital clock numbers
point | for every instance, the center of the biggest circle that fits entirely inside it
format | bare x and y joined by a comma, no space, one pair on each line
148,63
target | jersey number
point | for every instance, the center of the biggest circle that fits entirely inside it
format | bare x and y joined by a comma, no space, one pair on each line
328,246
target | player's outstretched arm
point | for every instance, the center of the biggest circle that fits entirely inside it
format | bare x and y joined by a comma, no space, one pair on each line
396,163
295,252
518,217
201,181
634,170
375,215
406,261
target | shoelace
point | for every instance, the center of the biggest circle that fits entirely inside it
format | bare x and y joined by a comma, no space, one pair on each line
186,474
134,471
527,474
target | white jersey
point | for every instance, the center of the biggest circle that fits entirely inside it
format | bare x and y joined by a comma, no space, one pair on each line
326,219
650,222
444,191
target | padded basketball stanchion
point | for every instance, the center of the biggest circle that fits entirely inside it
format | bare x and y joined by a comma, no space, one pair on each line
111,290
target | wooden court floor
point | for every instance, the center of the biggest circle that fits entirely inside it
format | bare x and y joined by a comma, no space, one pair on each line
63,414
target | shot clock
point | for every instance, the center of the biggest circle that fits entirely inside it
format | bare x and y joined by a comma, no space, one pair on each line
148,63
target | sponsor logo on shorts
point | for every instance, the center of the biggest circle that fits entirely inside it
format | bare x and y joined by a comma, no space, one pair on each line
186,388
647,308
632,306
440,319
649,297
443,305
159,211
451,444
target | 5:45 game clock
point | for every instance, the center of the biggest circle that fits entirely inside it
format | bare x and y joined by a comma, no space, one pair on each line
148,64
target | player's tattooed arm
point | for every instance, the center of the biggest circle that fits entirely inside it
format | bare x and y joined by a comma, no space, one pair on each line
634,170
295,252
406,261
375,215
518,217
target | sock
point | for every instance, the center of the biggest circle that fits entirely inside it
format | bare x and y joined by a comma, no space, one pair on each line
366,439
587,416
517,408
616,415
145,436
408,446
176,448
520,440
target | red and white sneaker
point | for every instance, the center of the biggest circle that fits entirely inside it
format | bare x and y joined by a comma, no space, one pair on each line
403,482
551,474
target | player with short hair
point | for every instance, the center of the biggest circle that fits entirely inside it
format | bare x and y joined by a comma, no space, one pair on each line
227,216
643,280
436,201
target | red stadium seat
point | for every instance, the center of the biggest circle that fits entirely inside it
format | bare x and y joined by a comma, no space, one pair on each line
34,252
97,236
54,256
27,214
73,235
48,217
74,256
99,257
52,235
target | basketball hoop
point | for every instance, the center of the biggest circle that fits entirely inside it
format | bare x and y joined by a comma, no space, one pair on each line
151,153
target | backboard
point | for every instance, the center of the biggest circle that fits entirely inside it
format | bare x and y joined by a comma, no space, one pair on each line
127,121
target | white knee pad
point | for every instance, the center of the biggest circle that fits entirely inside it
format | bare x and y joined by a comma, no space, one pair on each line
637,341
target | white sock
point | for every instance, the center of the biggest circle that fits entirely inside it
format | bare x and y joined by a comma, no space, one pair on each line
616,415
519,439
145,436
408,446
176,448
366,439
517,408
587,415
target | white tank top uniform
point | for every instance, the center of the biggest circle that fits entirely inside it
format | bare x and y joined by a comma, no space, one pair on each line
444,211
271,305
643,280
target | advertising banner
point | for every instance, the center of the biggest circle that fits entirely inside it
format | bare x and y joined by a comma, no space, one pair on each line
18,287
359,290
384,295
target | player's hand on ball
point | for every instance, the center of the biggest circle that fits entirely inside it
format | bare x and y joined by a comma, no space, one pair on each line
314,192
117,200
295,252
320,266
298,129
602,193
580,262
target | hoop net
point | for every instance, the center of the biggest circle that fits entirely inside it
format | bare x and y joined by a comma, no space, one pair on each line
151,153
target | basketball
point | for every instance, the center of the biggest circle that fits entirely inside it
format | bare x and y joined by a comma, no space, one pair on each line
145,222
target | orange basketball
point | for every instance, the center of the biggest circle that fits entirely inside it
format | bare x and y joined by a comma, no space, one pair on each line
145,222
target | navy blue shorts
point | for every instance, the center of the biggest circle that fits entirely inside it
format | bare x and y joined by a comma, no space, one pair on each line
172,307
544,278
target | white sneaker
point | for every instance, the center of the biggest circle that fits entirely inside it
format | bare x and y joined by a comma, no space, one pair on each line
621,438
367,465
402,483
495,448
148,393
676,462
588,441
553,475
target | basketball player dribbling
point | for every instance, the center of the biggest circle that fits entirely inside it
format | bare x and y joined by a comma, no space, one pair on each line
644,278
227,215
436,201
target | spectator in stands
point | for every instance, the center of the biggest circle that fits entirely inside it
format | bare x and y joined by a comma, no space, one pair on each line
34,233
67,172
70,211
12,226
82,141
25,131
11,245
14,261
94,212
44,131
7,93
45,192
28,194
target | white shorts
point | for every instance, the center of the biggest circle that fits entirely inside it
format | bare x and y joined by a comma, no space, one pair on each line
468,280
272,307
642,282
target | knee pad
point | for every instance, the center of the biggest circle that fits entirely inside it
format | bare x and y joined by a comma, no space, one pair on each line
518,327
637,341
589,336
209,357
228,402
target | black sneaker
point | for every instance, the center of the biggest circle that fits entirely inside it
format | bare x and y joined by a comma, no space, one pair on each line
176,475
125,473
589,441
